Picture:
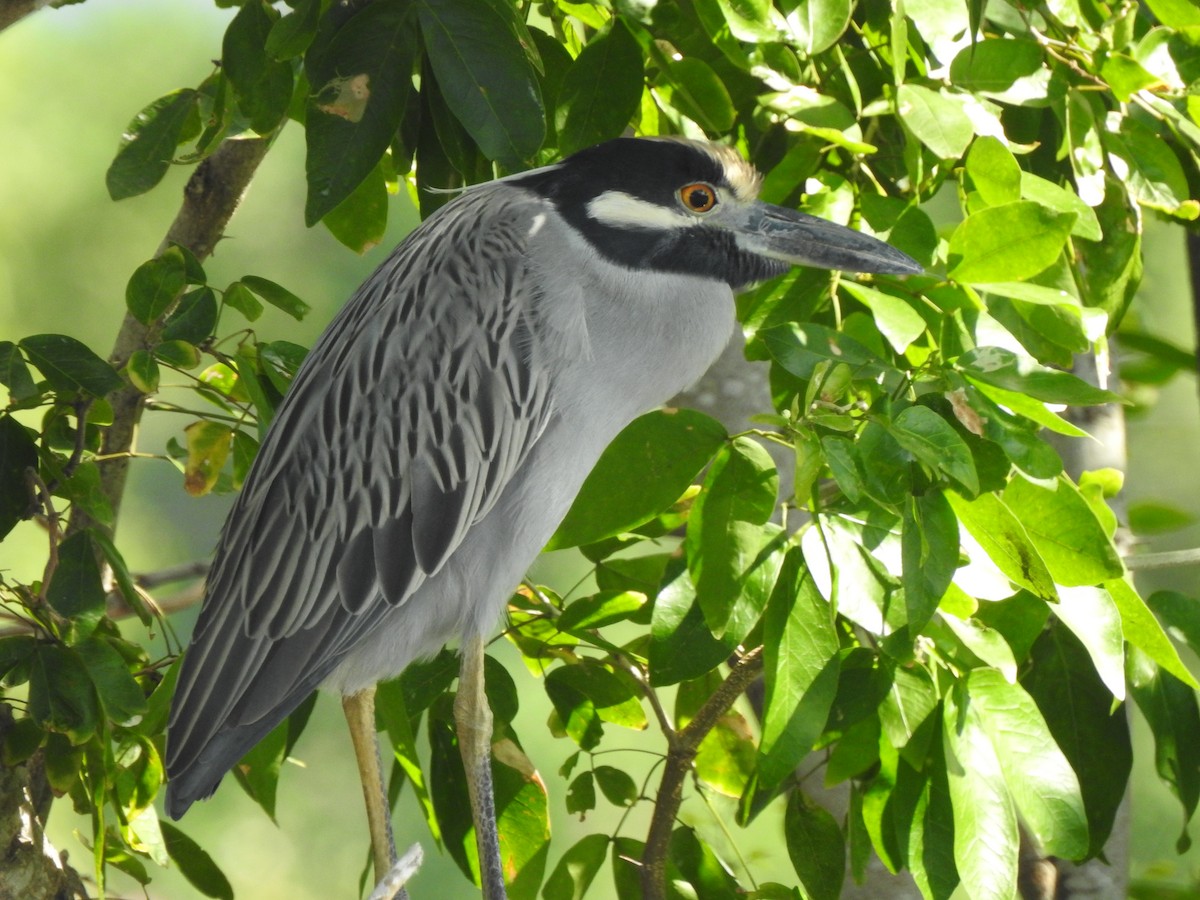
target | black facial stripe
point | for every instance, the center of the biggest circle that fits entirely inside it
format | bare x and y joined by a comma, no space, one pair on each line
654,172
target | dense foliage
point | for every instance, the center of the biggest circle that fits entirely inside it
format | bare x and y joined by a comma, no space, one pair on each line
934,604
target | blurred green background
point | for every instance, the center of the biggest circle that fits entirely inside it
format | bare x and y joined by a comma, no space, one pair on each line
70,81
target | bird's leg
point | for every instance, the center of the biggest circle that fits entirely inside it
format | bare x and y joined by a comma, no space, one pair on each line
473,717
360,715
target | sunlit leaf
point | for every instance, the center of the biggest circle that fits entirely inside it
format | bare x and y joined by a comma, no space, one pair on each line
148,145
800,669
644,470
1010,242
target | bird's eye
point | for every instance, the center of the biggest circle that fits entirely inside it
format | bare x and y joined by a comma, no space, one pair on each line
698,197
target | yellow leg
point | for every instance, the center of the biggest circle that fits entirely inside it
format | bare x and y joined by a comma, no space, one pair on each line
473,718
360,715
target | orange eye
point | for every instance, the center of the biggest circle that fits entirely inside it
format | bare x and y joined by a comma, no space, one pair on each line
698,197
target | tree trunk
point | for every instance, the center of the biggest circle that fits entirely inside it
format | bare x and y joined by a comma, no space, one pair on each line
31,868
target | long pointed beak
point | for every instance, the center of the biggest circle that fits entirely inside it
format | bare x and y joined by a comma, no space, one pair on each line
800,239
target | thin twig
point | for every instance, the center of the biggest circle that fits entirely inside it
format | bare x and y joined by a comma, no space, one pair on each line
41,498
679,762
1167,559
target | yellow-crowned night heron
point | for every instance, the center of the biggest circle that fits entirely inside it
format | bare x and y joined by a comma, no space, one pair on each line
440,428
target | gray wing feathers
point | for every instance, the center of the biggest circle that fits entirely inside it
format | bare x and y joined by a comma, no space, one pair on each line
404,425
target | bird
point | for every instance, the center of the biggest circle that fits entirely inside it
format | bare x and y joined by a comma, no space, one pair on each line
438,431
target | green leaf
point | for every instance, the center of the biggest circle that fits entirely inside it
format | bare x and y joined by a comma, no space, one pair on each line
929,542
748,20
120,695
121,574
155,284
841,458
257,772
148,145
69,365
984,642
194,319
1030,408
1152,172
897,320
694,89
1078,710
479,62
986,840
1011,242
177,354
800,671
858,591
291,35
77,590
600,609
937,121
1019,374
1180,613
994,65
681,646
645,469
696,869
1170,708
727,548
360,83
14,374
627,869
816,25
61,694
1055,196
1142,630
800,348
581,793
601,91
263,85
1126,76
910,702
994,171
238,296
360,221
1111,268
142,371
886,465
1065,531
577,868
932,440
277,296
1093,617
617,785
1039,778
815,846
195,864
612,698
1005,541
522,821
18,452
208,444
725,758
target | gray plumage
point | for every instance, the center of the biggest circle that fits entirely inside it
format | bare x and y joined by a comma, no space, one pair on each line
440,428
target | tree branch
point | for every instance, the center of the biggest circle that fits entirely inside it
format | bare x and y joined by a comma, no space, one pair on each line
12,11
682,750
211,197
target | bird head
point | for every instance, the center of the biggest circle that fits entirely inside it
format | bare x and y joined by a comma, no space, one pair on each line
674,205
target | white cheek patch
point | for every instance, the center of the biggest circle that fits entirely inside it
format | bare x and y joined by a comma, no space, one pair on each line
538,221
623,210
